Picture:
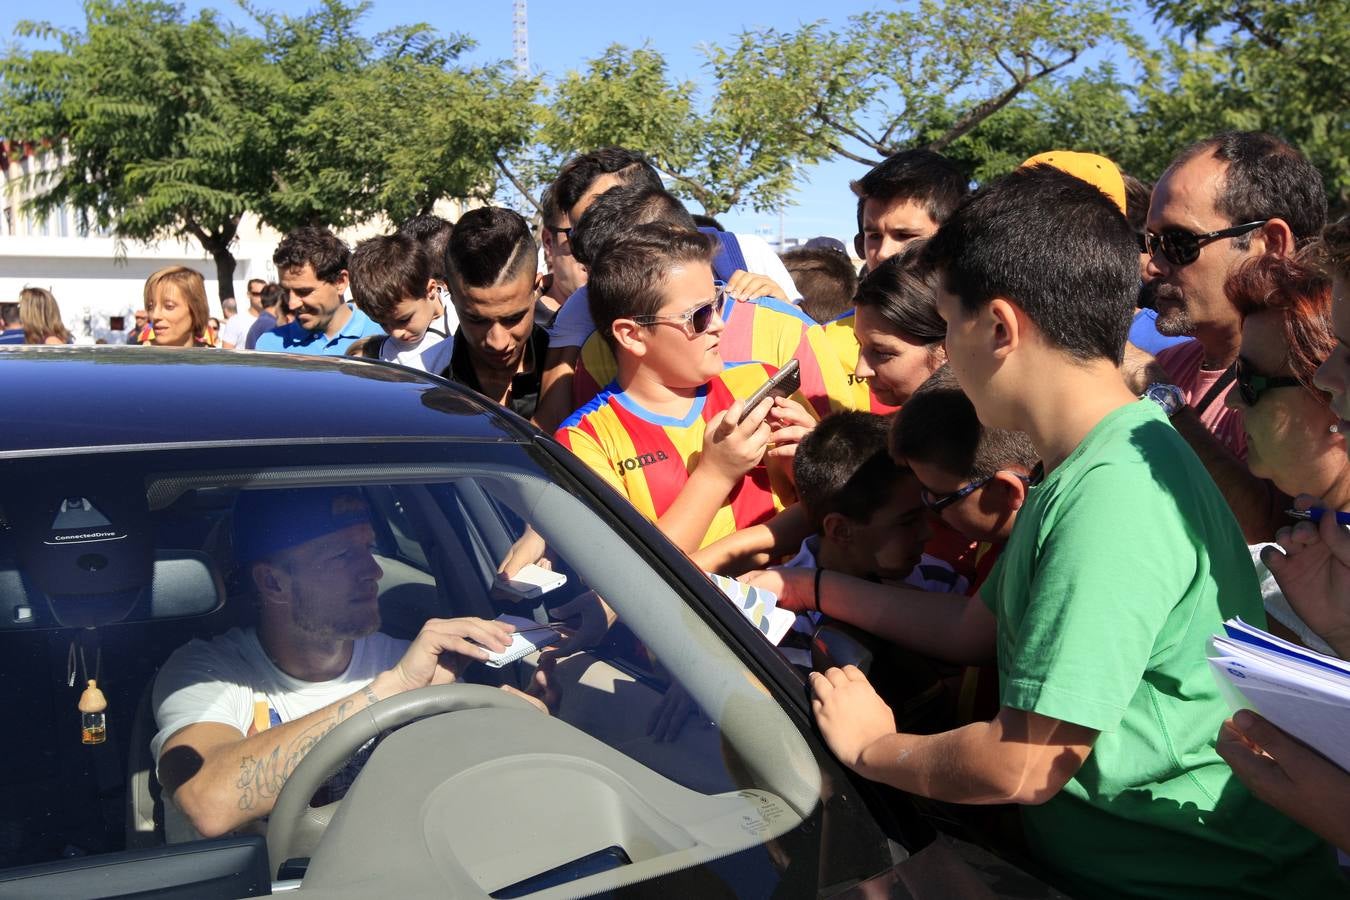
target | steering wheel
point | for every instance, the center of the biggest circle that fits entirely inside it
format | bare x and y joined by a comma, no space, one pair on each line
292,816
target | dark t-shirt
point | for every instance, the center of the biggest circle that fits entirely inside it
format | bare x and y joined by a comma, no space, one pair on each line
524,387
266,322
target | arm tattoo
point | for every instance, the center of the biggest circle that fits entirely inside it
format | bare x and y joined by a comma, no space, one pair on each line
370,695
262,778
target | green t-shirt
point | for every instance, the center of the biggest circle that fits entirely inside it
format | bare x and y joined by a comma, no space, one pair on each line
1121,565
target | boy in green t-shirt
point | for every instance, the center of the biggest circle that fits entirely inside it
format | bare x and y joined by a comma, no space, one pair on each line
1121,564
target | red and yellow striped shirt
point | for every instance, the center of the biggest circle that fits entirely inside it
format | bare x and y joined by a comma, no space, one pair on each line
829,356
648,457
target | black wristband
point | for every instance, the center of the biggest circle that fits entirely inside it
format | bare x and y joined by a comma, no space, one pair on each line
819,572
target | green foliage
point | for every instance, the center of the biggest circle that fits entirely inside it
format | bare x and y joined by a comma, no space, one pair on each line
1275,65
175,127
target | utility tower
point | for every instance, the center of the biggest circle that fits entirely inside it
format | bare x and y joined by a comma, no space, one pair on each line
521,35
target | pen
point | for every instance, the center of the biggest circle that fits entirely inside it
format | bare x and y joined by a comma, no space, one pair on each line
1315,515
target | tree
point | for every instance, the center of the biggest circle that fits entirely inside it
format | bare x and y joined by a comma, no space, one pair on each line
140,108
923,77
170,127
1274,65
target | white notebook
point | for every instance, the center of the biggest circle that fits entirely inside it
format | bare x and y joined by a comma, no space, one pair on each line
1301,691
529,637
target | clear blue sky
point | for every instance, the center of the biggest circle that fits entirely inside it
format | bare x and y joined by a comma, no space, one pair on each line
565,33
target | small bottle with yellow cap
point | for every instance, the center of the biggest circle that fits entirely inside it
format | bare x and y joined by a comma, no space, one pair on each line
93,721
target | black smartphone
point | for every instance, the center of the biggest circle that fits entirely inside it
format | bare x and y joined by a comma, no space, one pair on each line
783,384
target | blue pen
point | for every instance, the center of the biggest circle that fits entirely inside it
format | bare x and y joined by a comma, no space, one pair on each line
1315,515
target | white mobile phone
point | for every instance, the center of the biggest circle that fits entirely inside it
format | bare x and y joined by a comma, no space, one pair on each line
530,582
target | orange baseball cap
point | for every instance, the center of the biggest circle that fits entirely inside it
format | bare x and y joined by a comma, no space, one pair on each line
1097,171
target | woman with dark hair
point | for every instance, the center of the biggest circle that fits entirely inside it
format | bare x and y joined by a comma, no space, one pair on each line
898,327
175,299
41,318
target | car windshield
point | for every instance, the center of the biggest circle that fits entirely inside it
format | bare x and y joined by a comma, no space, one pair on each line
660,749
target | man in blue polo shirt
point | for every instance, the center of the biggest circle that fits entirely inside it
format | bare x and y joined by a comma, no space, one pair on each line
312,267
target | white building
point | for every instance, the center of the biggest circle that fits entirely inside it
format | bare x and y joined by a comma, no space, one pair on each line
97,280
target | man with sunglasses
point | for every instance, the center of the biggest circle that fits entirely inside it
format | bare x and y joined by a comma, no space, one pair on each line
1221,202
668,433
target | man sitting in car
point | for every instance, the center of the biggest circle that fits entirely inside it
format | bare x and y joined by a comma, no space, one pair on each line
237,713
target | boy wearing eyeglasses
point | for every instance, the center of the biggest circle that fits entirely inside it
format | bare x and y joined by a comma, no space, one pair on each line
1121,565
667,433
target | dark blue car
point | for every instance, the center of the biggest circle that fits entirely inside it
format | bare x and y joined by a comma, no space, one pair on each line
121,472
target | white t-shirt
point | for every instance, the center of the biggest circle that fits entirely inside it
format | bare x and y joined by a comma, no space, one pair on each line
218,681
432,352
234,330
931,574
573,324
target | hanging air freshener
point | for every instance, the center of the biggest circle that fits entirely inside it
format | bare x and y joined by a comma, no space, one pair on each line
93,722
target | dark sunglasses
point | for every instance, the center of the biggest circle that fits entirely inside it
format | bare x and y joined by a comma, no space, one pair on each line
1251,386
936,504
694,321
1181,247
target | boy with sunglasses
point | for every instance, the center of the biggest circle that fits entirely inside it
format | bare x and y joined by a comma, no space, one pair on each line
758,328
668,432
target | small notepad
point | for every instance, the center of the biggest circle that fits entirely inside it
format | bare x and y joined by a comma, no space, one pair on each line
529,637
757,605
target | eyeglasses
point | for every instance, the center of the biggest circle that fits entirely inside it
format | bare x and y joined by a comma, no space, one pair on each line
937,504
1251,386
565,232
1181,247
694,321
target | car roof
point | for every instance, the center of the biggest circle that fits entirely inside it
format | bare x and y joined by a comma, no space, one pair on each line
81,399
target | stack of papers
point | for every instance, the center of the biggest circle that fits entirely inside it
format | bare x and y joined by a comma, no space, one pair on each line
1304,692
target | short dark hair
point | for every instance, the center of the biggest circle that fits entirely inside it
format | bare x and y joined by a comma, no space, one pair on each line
706,221
629,279
253,281
1053,244
310,245
621,208
1137,196
9,313
904,290
938,426
826,279
1266,178
273,295
925,177
578,173
386,270
433,233
490,245
843,466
